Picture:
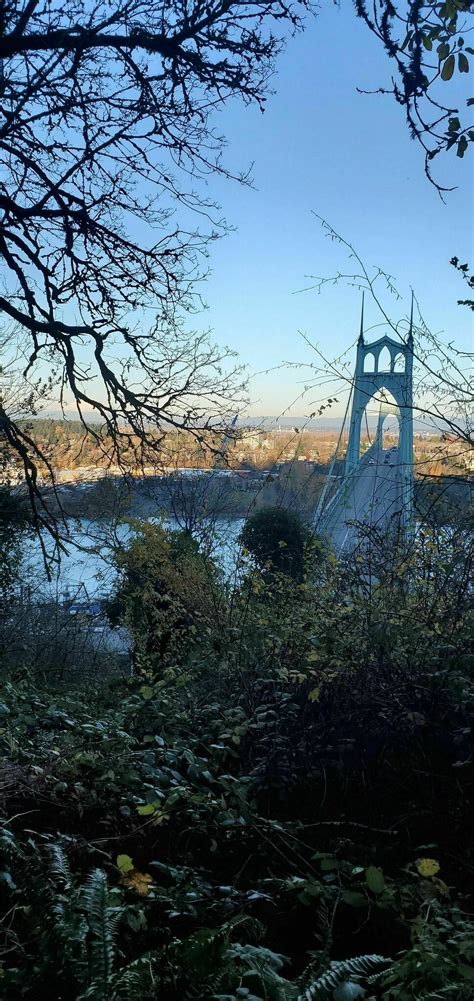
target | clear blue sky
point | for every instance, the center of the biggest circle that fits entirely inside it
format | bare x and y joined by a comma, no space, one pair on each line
322,146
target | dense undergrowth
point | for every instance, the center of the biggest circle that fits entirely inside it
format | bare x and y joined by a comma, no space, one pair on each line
275,806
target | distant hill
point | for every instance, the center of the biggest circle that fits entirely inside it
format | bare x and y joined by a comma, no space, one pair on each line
322,423
264,423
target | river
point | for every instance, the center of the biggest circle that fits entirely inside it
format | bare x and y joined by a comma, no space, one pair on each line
86,570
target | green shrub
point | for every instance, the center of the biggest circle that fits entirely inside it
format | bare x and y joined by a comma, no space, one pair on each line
278,807
277,540
169,595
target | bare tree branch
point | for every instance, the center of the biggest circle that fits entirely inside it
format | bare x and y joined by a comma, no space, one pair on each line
106,144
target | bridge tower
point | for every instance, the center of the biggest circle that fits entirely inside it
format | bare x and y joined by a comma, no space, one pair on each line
370,379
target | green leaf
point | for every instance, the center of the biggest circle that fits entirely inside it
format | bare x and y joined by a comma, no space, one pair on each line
146,692
327,864
354,899
313,889
375,879
310,893
427,42
454,125
5,877
448,68
443,51
124,863
462,146
136,921
147,810
463,63
466,971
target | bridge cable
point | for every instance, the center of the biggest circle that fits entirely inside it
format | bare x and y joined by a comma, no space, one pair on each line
367,427
333,461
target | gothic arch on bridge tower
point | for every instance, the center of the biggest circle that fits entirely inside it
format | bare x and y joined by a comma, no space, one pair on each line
393,372
384,360
369,362
399,363
379,421
389,431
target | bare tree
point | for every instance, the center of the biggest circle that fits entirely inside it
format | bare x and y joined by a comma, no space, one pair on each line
106,138
20,401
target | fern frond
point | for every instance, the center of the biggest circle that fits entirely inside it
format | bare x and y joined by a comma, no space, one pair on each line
59,866
452,992
374,977
338,972
103,924
135,980
9,846
202,952
259,971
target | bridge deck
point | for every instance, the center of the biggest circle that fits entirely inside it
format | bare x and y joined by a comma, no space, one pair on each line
372,494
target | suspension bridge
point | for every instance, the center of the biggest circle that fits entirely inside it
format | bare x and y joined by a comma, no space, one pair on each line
376,490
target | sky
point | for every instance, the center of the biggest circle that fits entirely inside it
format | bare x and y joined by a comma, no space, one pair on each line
323,148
